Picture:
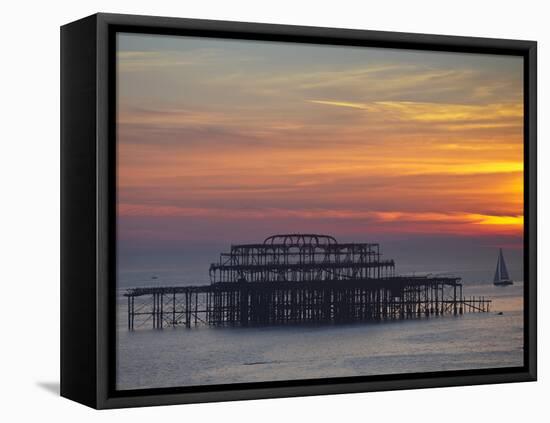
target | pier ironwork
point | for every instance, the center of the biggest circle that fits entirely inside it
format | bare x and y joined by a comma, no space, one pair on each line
300,278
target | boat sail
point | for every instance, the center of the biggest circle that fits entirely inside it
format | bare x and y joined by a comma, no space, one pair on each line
501,274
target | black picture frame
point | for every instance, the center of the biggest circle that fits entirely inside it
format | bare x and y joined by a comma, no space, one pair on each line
88,209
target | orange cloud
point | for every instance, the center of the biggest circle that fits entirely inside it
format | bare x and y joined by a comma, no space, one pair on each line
454,222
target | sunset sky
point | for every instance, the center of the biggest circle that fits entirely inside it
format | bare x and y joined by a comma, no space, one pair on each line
223,141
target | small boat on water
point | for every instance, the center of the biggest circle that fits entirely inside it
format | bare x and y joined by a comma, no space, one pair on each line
501,274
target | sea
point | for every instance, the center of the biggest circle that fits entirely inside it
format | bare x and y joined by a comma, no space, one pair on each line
202,355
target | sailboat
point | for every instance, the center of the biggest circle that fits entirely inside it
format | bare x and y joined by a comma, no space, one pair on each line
501,274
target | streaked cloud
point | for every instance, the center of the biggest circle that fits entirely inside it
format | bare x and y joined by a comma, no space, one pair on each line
501,115
125,209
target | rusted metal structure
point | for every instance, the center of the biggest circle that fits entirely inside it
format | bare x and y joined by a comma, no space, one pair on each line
300,278
301,258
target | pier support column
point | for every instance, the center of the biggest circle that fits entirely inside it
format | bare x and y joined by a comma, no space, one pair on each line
454,301
129,313
243,301
154,310
161,317
174,309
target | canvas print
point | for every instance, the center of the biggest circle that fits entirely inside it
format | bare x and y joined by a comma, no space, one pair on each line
301,211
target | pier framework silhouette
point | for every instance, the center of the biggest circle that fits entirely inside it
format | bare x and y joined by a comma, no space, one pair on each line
300,278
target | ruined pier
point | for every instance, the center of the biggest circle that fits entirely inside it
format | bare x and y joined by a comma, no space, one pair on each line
298,278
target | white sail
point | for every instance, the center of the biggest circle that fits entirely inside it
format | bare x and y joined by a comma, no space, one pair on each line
501,272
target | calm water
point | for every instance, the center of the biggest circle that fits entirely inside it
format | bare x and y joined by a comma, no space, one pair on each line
203,355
